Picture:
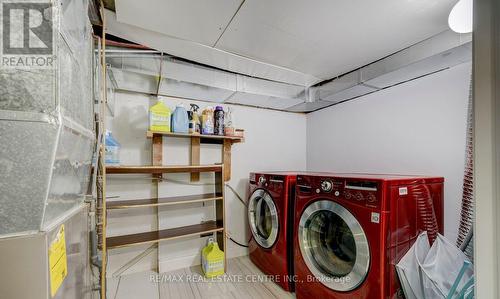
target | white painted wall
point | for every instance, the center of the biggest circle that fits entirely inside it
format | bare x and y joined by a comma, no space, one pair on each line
273,141
414,128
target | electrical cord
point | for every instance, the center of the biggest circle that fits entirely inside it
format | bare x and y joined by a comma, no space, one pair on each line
238,243
236,194
246,205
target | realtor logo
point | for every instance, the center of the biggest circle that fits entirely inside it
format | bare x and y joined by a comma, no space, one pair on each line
27,34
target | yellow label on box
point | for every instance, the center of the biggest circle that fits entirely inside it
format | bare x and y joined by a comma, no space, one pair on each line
57,261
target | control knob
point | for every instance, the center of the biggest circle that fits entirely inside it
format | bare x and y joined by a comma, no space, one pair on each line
372,197
359,196
326,186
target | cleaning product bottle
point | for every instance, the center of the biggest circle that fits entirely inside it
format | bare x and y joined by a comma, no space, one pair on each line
229,122
112,150
196,119
207,121
219,121
159,117
192,124
180,121
212,259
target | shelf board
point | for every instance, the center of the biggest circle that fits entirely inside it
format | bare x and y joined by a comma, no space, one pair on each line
204,138
165,234
163,169
165,201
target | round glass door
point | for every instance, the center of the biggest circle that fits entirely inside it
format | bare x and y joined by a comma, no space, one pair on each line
334,245
263,218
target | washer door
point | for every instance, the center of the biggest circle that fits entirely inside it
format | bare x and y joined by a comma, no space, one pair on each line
333,245
263,218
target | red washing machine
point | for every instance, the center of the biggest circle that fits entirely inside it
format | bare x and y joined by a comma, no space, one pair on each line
352,229
270,215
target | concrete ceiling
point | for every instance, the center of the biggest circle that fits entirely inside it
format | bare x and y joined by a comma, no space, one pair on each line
284,39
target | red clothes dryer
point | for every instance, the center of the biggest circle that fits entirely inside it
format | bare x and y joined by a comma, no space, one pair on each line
270,215
352,229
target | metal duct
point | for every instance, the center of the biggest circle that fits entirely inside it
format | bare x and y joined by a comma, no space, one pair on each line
264,93
465,231
46,127
437,53
344,88
312,102
139,72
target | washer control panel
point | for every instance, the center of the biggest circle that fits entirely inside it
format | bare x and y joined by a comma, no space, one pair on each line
362,192
270,182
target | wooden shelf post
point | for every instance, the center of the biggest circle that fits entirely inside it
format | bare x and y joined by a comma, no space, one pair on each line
220,213
157,160
195,157
196,140
226,159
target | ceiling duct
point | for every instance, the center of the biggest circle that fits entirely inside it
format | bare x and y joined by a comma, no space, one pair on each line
437,53
312,102
264,93
139,71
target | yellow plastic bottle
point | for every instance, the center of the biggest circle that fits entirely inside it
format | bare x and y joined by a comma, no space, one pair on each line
159,117
212,259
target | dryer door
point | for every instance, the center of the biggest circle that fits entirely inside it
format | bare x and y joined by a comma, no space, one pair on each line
263,218
334,245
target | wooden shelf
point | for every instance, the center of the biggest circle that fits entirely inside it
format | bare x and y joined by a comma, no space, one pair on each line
165,234
204,138
165,201
196,140
163,169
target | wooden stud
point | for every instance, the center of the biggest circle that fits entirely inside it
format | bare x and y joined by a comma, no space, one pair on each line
195,157
226,159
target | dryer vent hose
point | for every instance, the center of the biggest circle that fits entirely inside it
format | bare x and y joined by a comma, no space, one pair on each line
465,230
425,209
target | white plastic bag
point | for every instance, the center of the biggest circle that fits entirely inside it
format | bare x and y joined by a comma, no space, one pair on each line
408,268
441,268
429,273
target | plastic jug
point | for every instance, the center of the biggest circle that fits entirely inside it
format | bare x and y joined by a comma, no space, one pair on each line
159,117
212,259
180,120
207,121
112,150
196,119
